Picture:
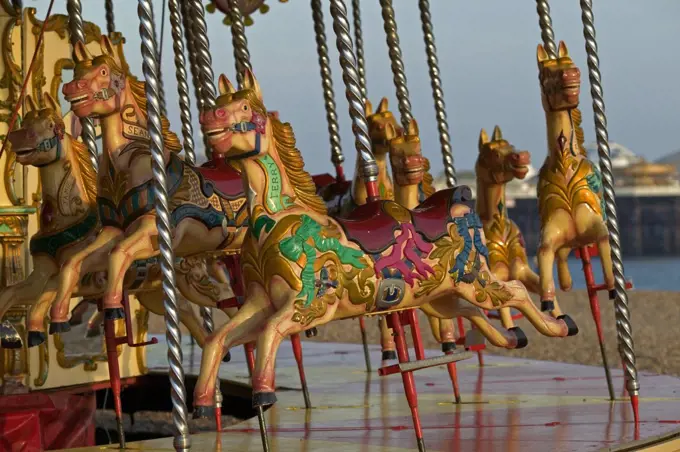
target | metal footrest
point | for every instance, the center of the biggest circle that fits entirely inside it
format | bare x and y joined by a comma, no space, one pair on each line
412,366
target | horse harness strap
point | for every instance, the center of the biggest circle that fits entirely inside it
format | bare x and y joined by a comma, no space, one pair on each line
46,145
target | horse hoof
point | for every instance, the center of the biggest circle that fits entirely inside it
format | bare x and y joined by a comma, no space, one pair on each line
389,355
571,325
612,294
204,412
522,340
35,338
59,327
114,313
312,332
547,306
227,357
448,347
263,399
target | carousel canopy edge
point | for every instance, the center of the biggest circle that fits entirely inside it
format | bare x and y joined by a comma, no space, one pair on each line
248,8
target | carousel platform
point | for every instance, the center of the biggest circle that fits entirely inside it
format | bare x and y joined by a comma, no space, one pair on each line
508,405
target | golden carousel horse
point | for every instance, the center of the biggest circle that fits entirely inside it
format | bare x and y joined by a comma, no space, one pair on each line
570,198
69,222
498,164
303,268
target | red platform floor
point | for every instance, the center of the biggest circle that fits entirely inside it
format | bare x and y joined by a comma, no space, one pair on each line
513,405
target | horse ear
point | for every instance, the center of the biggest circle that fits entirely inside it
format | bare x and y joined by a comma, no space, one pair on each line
483,138
225,85
390,131
497,134
30,104
562,51
541,55
80,52
52,104
107,46
412,129
250,82
383,106
368,108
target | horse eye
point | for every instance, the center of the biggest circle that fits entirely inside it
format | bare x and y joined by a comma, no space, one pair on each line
245,107
104,72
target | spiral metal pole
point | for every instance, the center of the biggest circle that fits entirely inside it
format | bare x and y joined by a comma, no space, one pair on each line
359,45
239,41
182,85
193,62
173,334
397,62
353,91
327,83
437,93
623,326
547,34
110,23
75,22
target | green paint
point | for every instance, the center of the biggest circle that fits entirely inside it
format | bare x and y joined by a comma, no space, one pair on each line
17,210
4,229
262,222
594,180
296,246
275,201
382,190
500,206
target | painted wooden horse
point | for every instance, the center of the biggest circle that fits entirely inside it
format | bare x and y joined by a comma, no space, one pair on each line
499,163
204,218
303,268
69,222
570,198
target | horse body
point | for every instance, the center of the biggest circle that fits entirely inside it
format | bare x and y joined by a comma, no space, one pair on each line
571,204
499,163
303,268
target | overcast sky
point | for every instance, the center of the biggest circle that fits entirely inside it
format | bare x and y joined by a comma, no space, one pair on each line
487,53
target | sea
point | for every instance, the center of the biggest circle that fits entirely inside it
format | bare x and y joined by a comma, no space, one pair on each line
658,273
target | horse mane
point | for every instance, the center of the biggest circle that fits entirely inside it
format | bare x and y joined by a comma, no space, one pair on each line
87,171
427,184
300,180
576,119
138,91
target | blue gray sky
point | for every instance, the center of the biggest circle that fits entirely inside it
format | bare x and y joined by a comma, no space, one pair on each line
487,53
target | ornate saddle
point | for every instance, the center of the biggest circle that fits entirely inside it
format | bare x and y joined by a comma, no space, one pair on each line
328,187
218,176
372,225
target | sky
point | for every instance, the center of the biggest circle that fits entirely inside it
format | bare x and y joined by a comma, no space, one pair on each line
487,55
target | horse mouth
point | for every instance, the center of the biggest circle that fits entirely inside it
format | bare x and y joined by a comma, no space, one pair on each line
520,171
217,133
571,89
75,101
23,152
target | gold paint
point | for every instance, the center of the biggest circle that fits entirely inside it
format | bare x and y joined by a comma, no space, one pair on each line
57,77
142,317
399,213
9,177
497,293
445,252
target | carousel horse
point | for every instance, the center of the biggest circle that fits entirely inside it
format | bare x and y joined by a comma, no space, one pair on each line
68,223
304,268
498,164
204,205
571,203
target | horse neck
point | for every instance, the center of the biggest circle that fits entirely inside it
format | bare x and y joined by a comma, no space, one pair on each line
385,185
266,183
562,145
490,201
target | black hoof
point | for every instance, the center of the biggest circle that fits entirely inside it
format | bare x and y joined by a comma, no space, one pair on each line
114,314
263,399
204,412
59,327
227,357
389,355
612,294
35,338
571,325
522,340
312,332
448,347
547,306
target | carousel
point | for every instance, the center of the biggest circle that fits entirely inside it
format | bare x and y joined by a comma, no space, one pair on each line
107,218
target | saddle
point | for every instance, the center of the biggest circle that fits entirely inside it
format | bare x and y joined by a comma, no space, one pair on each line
329,188
372,225
218,176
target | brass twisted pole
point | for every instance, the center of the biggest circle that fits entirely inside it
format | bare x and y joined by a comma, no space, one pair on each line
182,440
547,33
359,46
239,42
623,326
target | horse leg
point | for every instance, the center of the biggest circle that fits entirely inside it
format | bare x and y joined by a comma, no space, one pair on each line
242,328
550,243
605,252
532,282
389,349
563,273
27,292
35,323
70,273
137,245
447,335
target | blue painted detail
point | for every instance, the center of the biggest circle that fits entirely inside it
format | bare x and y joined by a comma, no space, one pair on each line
210,217
464,223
